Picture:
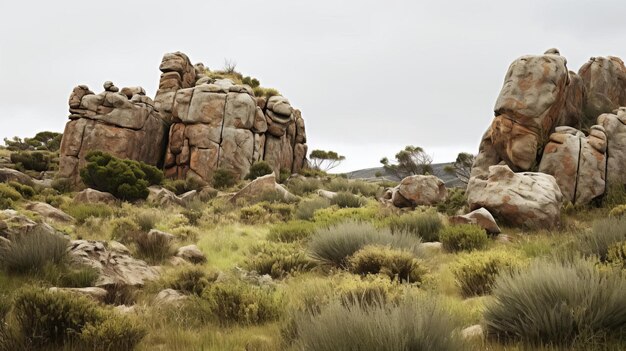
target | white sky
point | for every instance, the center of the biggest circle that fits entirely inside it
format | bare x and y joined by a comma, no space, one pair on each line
369,76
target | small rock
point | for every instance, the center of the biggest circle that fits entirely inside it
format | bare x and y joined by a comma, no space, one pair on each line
92,196
475,331
326,194
163,197
49,211
432,247
160,236
169,296
263,185
480,217
191,253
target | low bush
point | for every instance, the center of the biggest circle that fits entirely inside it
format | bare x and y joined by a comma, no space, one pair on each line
333,215
557,303
278,260
146,219
81,211
301,187
9,192
30,252
223,178
604,233
62,185
396,264
232,302
280,210
24,190
306,208
124,230
357,187
292,231
425,225
193,215
615,195
346,200
32,160
618,211
412,324
187,233
191,280
6,203
112,334
253,214
265,92
259,169
475,272
63,276
616,255
455,201
333,245
464,237
179,186
154,248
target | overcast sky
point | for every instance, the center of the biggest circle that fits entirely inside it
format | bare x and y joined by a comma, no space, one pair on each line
369,76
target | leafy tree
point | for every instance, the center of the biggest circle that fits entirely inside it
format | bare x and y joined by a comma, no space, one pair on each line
125,179
462,166
325,160
50,141
412,160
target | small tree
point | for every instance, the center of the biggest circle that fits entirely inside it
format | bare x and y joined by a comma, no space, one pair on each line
462,167
50,141
259,169
325,160
412,160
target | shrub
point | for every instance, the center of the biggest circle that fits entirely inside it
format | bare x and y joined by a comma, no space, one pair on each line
186,233
353,186
425,225
180,186
193,215
394,263
24,190
346,200
455,201
252,82
223,178
301,187
192,280
82,211
278,260
556,303
604,233
618,211
68,277
9,192
252,214
281,211
283,175
413,324
6,203
125,179
32,251
259,169
62,185
333,215
464,237
335,244
615,195
616,255
146,220
112,334
475,272
237,302
266,92
291,231
306,209
124,230
32,160
154,248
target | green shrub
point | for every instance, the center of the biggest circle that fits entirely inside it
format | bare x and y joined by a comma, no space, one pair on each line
223,178
6,203
82,211
333,215
146,220
312,172
425,225
475,272
280,210
455,201
292,231
24,190
278,260
556,303
237,302
192,280
193,215
9,192
370,290
186,233
32,251
124,230
32,160
266,92
396,264
253,214
252,82
306,208
604,233
335,244
283,175
615,195
301,187
618,211
259,169
154,248
125,179
464,237
179,186
346,200
357,187
70,277
62,185
412,324
112,334
616,255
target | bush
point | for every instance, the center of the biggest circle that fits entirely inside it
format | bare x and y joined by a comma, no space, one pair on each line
146,220
82,211
333,215
464,237
306,209
278,260
335,244
357,187
112,334
283,175
32,160
291,231
616,255
455,201
154,248
557,303
425,225
68,277
413,324
24,190
475,272
266,92
223,178
125,179
62,185
180,186
346,200
259,169
615,195
604,233
301,187
237,302
394,263
618,211
192,280
252,214
6,203
9,192
32,251
124,230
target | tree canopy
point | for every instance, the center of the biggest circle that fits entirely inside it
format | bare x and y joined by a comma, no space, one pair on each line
413,160
462,166
325,160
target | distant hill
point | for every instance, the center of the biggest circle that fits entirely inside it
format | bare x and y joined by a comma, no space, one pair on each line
438,170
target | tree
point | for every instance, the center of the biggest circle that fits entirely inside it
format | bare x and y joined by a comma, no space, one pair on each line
325,160
412,160
47,141
462,167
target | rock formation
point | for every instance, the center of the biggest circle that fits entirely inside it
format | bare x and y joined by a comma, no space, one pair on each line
126,125
417,190
615,127
605,82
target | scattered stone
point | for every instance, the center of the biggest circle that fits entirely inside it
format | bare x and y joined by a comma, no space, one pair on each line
48,211
326,194
432,247
92,196
475,331
169,297
163,197
480,217
160,236
191,253
262,186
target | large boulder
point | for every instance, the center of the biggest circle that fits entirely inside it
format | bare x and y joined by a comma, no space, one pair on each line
530,200
418,190
49,212
191,253
605,82
11,175
262,186
480,217
92,196
615,127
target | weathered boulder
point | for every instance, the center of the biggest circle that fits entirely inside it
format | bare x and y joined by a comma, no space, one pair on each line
572,113
327,194
577,162
163,197
261,186
418,190
605,82
11,175
480,217
114,267
191,253
14,224
531,200
169,297
615,127
48,211
92,196
113,123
